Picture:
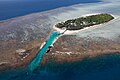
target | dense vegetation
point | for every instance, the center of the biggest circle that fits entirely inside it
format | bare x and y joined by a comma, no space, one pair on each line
82,22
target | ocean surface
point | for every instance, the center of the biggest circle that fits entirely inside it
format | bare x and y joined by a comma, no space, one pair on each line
13,8
105,67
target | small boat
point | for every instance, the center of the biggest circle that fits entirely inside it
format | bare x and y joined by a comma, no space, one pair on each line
49,49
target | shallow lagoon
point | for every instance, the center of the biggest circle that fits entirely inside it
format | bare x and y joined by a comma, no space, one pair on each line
99,68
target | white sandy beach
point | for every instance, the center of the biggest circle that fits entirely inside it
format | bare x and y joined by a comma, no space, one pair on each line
108,30
37,26
73,32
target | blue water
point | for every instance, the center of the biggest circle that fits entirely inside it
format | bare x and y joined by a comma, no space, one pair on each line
14,8
106,67
36,61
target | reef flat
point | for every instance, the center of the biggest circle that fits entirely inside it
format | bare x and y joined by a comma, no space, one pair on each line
21,37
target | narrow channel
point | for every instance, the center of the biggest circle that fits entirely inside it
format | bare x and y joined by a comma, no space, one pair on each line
35,62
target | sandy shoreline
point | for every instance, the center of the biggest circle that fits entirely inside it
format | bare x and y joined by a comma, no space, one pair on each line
31,31
70,32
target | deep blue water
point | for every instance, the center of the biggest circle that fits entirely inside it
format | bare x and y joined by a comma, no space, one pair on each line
10,9
106,67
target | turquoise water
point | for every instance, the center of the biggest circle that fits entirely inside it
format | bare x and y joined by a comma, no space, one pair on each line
36,61
105,67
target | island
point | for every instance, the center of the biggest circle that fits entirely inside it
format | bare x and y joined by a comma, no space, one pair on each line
83,22
20,40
